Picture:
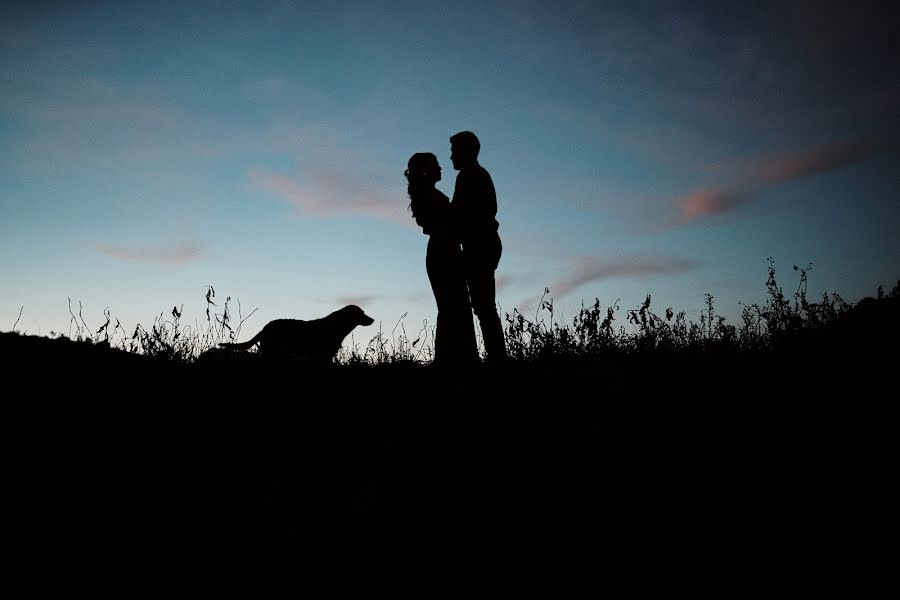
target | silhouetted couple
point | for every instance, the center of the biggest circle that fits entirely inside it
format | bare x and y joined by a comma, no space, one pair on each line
463,251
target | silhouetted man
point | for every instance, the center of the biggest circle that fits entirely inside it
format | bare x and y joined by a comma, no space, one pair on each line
475,212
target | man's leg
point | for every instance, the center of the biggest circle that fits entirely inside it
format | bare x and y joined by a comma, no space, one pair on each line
483,291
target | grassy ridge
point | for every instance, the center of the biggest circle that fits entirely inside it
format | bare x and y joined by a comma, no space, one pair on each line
792,323
674,449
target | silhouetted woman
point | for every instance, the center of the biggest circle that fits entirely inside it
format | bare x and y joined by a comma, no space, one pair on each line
454,338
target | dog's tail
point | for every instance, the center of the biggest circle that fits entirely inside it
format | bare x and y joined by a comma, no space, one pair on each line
241,345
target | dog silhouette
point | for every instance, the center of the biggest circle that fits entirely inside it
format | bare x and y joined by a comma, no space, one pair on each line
315,339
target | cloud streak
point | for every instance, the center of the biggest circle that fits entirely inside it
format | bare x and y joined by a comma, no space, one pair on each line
175,254
770,172
324,193
360,300
592,270
817,160
712,201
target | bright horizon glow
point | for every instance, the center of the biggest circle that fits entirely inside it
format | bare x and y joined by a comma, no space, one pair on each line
150,151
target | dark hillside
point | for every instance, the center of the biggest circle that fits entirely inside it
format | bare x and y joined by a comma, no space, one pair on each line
737,463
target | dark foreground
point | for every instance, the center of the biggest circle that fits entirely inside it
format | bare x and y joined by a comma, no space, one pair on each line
649,472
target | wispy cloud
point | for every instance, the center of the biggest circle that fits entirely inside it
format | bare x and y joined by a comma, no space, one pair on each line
323,192
707,202
816,160
178,254
362,301
88,122
588,270
769,172
504,280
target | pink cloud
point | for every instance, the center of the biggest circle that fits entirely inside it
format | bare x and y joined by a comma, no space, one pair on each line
326,193
357,300
590,270
768,172
181,253
706,202
503,281
817,160
290,190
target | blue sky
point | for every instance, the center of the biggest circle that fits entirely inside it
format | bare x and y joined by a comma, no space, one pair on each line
149,150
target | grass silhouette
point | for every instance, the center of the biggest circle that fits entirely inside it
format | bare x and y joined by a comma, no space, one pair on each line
645,443
595,334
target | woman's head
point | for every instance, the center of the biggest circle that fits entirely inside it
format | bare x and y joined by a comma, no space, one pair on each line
423,167
422,172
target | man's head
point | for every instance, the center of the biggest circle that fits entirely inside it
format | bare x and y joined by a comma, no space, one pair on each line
464,147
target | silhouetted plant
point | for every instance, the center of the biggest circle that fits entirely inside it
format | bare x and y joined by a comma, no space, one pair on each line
765,327
167,338
592,335
381,350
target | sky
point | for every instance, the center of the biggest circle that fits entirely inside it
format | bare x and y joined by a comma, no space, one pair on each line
151,150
